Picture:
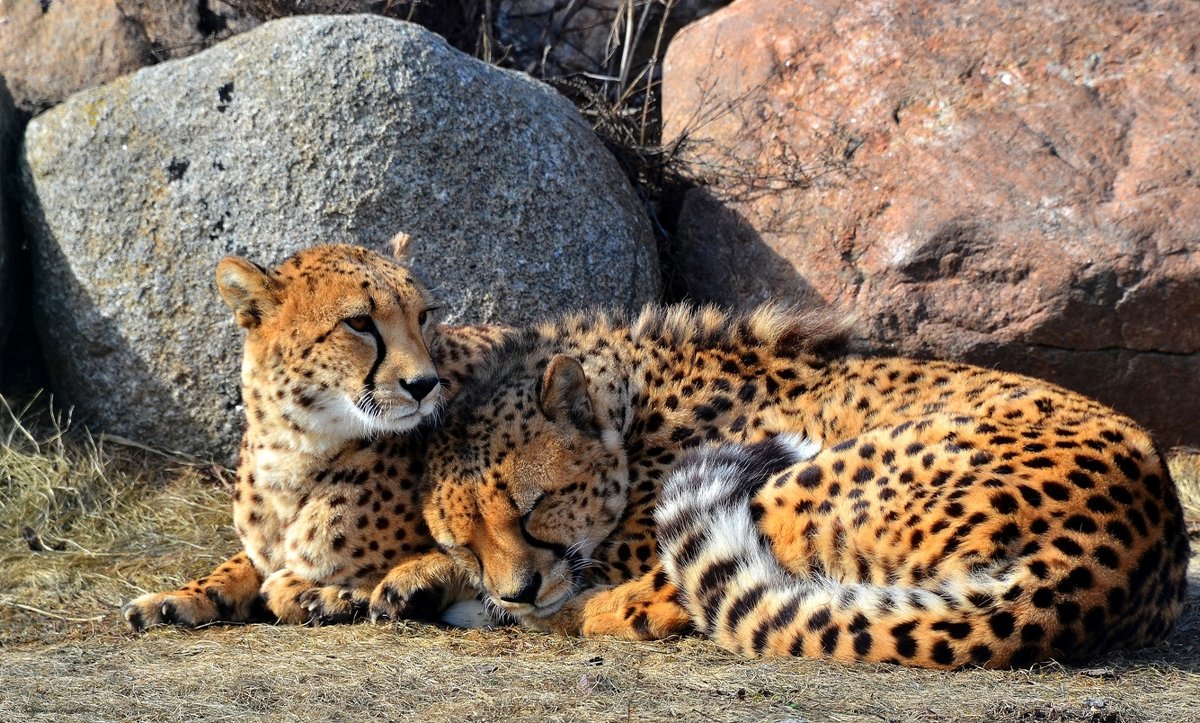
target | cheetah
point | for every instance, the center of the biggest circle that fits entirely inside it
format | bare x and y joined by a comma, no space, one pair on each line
338,377
937,515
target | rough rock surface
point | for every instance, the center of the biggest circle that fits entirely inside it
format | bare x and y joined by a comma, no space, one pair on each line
50,49
1013,184
550,38
306,130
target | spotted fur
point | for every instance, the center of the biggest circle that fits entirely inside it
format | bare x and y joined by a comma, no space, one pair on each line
338,372
954,515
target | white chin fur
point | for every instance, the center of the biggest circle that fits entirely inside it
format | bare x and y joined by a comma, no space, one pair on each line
468,614
341,417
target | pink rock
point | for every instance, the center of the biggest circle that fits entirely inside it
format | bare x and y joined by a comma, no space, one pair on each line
50,49
1015,185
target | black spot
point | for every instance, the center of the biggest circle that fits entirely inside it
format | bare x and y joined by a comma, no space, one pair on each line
1039,462
1005,503
1056,491
1068,546
958,631
1002,624
1080,479
1139,523
1106,556
1128,467
1043,597
682,433
1006,534
906,645
829,639
743,605
1079,578
809,477
980,458
942,653
1030,495
1091,464
1080,523
980,654
862,643
1068,611
1121,495
819,619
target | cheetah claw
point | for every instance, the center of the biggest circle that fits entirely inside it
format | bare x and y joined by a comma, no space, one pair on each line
333,605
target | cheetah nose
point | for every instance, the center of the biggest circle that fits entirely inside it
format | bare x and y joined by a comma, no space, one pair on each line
528,593
420,387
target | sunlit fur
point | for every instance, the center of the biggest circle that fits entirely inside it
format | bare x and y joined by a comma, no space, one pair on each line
326,500
952,516
531,446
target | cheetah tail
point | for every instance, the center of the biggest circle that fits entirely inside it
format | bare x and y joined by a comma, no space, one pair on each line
738,593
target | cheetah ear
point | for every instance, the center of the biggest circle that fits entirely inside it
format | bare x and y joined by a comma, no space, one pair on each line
563,395
247,289
401,245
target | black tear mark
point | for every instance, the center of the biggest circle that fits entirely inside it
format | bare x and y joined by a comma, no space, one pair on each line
45,6
177,168
225,95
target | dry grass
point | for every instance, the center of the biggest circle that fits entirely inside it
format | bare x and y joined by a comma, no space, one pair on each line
128,520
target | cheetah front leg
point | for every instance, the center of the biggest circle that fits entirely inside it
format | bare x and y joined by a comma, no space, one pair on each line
296,600
227,594
422,588
646,608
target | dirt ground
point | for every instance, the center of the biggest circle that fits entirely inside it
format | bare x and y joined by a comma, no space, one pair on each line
88,524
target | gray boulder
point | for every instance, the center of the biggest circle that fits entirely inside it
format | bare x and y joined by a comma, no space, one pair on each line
303,131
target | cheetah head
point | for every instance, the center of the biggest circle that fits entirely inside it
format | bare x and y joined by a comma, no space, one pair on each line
526,481
337,341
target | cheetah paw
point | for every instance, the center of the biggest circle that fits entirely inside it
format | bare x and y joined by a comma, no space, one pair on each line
332,604
393,601
183,608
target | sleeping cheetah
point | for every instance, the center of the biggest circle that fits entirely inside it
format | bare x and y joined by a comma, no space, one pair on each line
952,516
338,372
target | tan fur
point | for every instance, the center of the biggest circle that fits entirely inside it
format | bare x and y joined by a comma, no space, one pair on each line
338,368
543,484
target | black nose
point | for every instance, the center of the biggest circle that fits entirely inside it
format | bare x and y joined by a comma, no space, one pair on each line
420,387
528,593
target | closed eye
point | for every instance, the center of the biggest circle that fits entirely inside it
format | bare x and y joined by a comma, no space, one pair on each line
529,507
559,550
461,553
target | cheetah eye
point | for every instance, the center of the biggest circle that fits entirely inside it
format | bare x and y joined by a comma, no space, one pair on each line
361,324
424,315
